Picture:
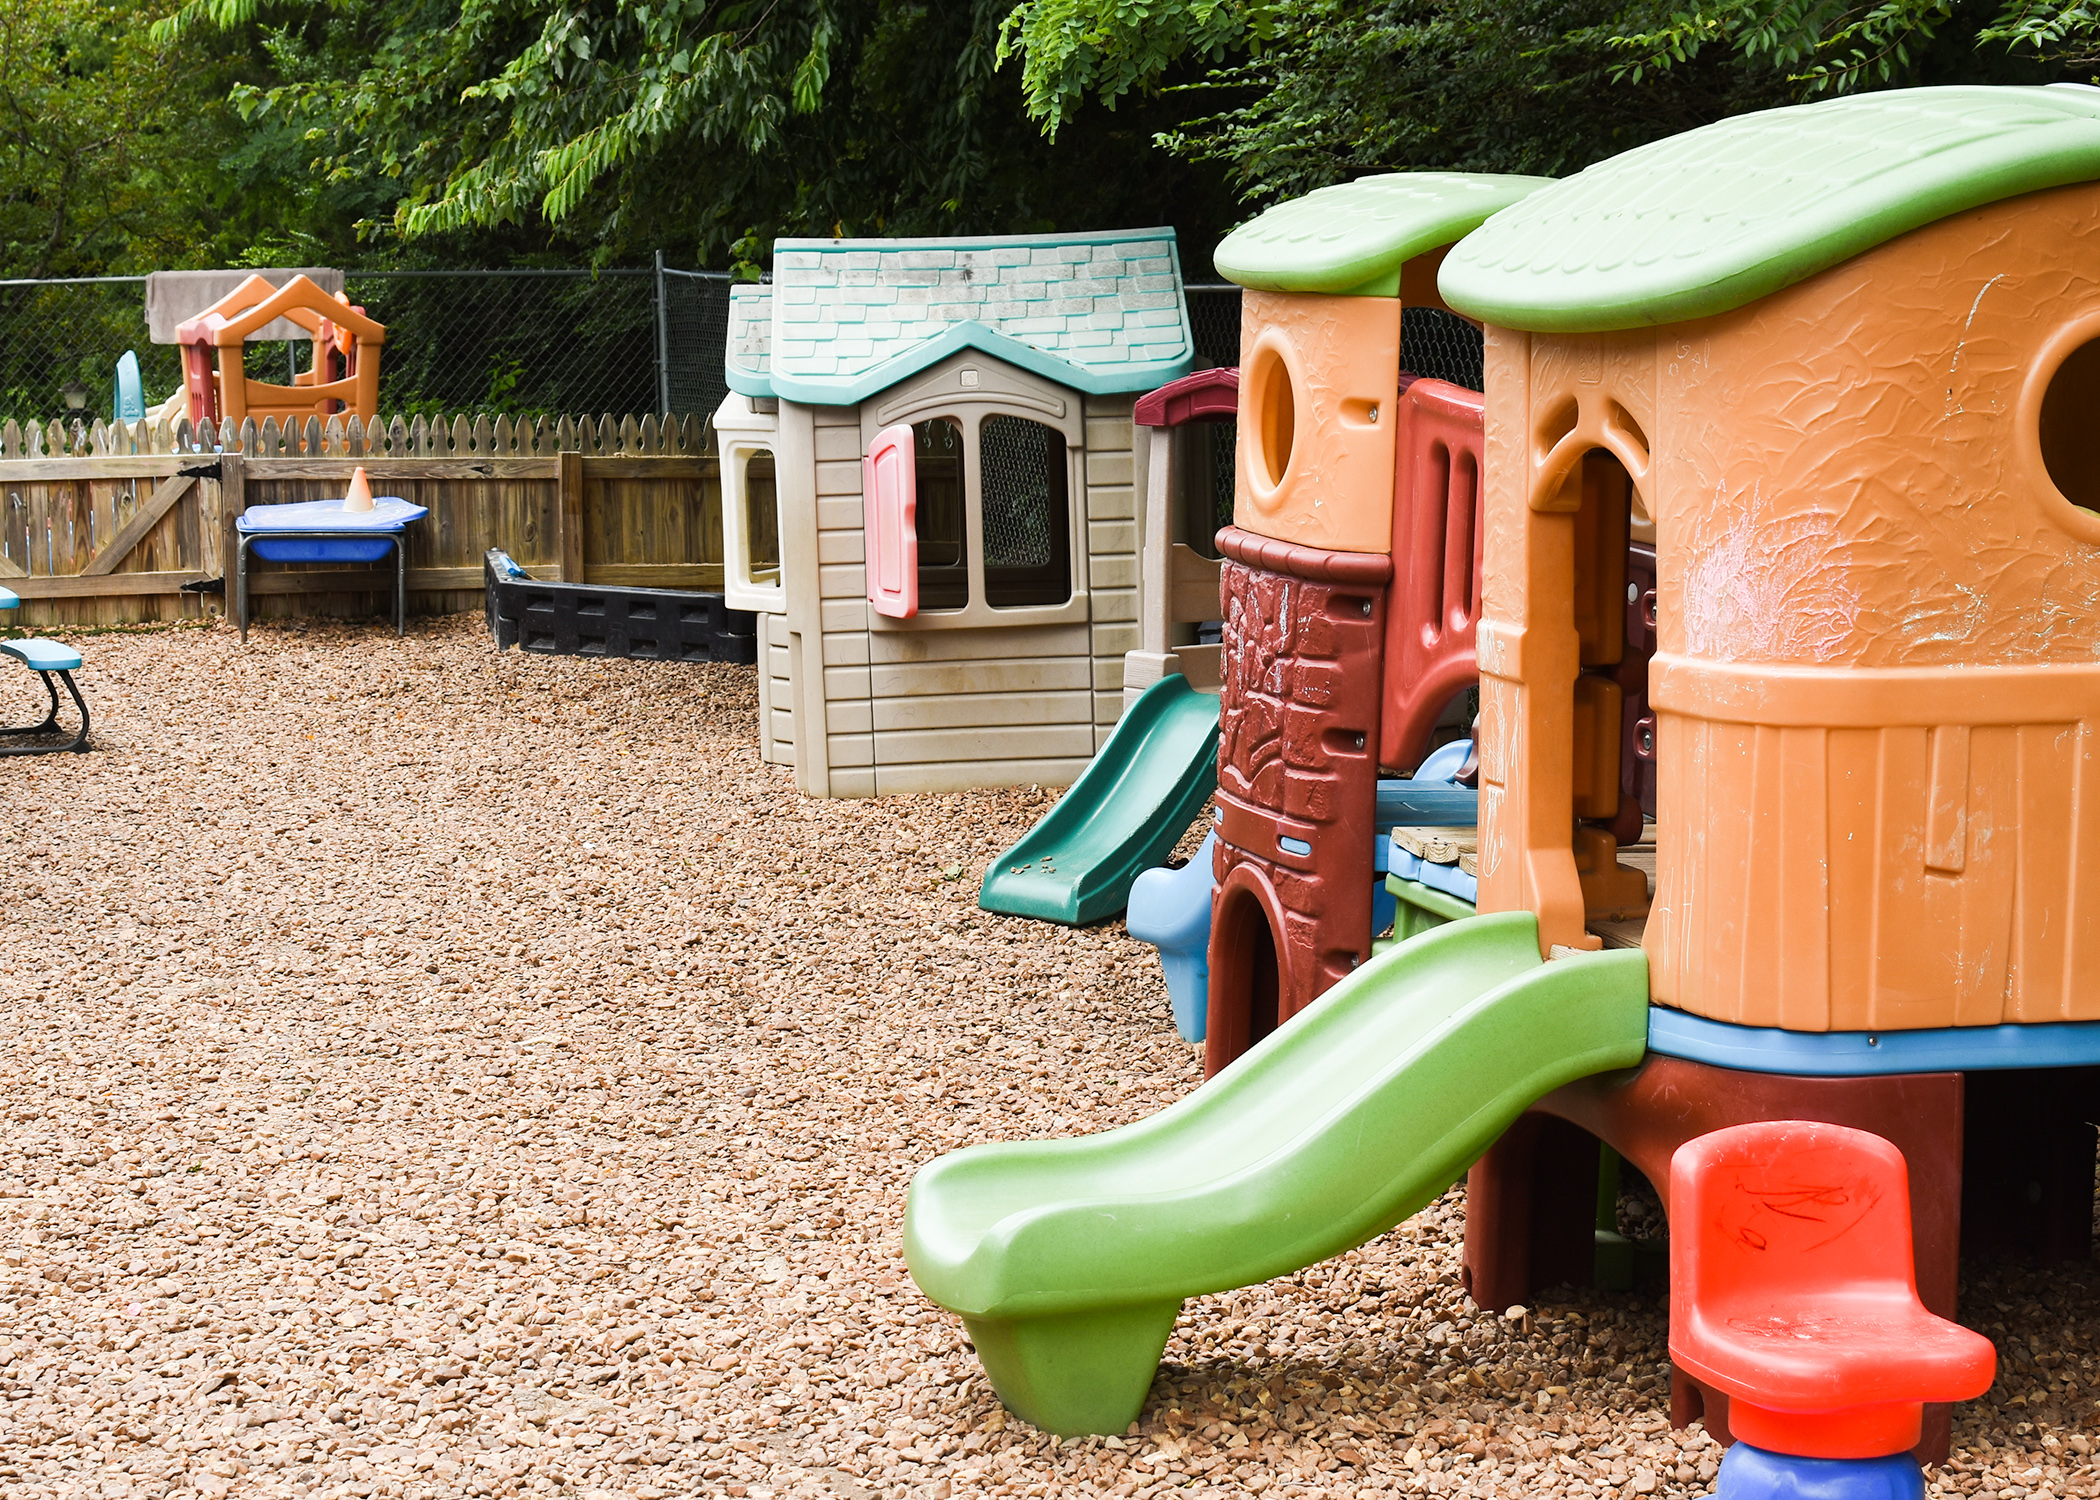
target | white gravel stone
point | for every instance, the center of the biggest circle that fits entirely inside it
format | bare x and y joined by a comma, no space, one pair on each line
436,1073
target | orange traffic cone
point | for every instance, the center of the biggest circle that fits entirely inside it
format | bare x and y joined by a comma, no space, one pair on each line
360,496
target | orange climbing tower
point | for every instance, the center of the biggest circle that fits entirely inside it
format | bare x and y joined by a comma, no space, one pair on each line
1857,405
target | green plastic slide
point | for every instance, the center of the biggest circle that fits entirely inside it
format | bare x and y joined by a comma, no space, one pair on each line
1069,1259
1122,817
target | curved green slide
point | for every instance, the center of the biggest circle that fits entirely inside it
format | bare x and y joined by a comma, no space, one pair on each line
1122,817
1069,1259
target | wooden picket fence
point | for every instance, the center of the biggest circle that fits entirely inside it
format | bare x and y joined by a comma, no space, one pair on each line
109,523
395,437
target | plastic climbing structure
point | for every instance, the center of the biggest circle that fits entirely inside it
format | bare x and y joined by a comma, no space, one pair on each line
1765,522
344,377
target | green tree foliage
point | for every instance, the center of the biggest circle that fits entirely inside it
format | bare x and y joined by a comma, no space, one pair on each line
611,127
91,134
1313,91
119,152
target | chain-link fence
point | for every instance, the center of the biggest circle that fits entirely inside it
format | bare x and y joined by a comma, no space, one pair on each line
521,343
1440,345
1214,322
693,325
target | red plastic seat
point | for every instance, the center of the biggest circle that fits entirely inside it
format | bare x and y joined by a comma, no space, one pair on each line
1792,1290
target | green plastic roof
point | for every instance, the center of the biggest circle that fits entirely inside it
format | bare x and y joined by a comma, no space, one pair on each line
1353,238
1721,216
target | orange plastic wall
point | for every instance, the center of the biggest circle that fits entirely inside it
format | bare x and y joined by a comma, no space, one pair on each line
1879,636
1342,359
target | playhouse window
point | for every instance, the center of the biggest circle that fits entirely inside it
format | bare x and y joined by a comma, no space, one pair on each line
943,526
1027,513
761,518
2069,408
1204,466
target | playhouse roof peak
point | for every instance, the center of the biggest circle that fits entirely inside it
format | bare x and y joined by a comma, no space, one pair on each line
1714,219
843,319
1352,238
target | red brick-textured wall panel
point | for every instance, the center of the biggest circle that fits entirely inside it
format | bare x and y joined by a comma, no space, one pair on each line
1297,771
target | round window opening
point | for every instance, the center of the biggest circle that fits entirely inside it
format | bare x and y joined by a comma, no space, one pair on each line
2071,426
1276,417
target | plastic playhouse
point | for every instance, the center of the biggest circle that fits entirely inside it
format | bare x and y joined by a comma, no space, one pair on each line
344,377
1767,530
945,577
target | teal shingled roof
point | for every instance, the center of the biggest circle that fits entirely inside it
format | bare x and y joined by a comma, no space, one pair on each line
1353,238
843,319
749,348
1723,215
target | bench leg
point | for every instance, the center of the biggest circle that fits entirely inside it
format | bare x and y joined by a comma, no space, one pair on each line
50,723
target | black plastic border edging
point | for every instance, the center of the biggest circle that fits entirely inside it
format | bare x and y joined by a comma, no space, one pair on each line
581,619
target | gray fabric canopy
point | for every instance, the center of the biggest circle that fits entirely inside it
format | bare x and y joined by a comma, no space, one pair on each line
174,297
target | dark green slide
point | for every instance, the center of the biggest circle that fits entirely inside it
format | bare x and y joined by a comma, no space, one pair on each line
1122,817
1069,1259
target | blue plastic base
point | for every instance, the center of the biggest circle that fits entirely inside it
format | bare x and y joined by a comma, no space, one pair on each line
1171,910
1449,879
1852,1054
1749,1473
324,549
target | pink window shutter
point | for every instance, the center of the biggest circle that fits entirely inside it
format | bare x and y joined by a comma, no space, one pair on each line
890,488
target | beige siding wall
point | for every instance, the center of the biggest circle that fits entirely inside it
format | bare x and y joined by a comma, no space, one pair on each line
1112,553
776,718
842,611
985,707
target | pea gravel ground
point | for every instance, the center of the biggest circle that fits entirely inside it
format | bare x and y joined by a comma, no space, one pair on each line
435,1073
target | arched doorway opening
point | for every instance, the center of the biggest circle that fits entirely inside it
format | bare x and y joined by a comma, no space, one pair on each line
1244,971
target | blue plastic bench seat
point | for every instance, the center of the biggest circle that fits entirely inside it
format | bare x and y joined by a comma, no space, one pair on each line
9,599
43,656
48,659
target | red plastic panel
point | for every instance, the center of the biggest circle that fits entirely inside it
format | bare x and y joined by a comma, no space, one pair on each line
1792,1290
1297,788
1436,563
890,491
1206,396
197,380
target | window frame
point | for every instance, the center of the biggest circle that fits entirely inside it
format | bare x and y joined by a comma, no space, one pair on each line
968,389
742,432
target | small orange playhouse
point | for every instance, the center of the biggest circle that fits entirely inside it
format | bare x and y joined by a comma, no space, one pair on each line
344,378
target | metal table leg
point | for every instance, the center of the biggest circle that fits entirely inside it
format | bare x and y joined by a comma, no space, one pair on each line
240,586
401,585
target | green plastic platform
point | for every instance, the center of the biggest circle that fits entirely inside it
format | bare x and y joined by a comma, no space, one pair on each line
1069,1259
1122,817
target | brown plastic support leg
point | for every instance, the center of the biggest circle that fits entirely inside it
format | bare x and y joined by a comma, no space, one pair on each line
1534,1194
1647,1113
